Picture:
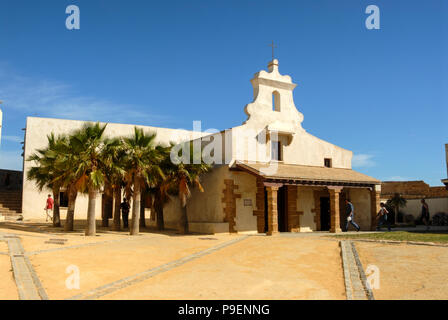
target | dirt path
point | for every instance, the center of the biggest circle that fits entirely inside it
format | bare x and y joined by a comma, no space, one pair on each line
407,271
233,266
256,268
8,290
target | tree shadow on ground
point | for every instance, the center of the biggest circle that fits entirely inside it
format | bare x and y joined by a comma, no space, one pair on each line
79,228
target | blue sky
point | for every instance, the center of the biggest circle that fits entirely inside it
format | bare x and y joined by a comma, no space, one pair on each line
381,93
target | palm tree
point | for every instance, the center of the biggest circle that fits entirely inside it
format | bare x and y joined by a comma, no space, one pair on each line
88,144
66,162
397,201
181,177
46,174
142,166
162,188
113,155
72,193
143,196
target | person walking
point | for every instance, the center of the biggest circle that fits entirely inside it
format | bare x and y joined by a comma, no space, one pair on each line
49,208
382,217
351,216
425,213
124,206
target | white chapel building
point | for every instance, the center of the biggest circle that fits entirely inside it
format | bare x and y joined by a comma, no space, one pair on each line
268,175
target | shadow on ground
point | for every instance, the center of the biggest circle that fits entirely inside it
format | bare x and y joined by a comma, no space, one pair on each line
79,228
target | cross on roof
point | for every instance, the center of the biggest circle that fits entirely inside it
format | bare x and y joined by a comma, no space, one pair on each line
273,46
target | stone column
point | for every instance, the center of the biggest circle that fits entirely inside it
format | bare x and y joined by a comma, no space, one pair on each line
374,205
335,224
272,192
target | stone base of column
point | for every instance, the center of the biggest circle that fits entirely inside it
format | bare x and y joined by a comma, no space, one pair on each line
337,230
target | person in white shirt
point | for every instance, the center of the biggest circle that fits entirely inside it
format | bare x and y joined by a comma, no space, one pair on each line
382,217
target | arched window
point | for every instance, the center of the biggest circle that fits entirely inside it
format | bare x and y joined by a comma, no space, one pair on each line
275,101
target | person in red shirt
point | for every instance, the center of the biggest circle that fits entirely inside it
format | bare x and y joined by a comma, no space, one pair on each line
49,208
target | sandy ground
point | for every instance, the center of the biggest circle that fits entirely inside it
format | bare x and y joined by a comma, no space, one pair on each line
8,290
407,271
305,266
108,262
255,268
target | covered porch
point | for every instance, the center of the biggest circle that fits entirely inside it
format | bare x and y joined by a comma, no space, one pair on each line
284,193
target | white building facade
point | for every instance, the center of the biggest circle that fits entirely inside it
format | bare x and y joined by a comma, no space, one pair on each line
269,175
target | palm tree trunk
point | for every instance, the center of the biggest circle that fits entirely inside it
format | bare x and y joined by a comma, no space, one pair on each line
117,201
104,219
69,220
56,205
183,223
106,206
142,210
158,207
135,208
91,223
396,215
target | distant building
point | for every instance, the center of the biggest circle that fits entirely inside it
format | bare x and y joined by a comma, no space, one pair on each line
445,181
413,192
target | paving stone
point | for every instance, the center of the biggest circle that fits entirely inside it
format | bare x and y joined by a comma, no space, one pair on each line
353,273
27,282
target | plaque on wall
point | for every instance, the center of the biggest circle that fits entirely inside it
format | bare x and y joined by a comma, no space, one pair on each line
248,202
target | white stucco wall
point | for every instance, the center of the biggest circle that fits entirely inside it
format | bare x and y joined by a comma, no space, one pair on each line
171,213
303,149
207,206
35,137
360,199
414,206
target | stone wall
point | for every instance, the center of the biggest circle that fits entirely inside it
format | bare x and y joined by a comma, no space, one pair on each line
10,180
411,190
